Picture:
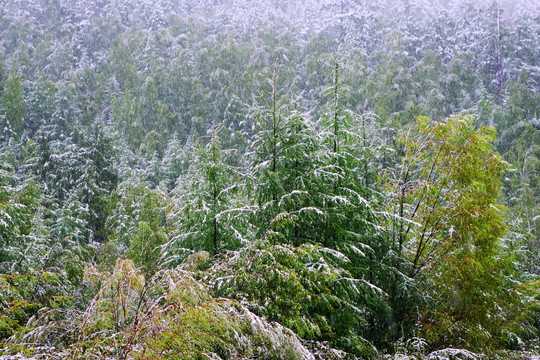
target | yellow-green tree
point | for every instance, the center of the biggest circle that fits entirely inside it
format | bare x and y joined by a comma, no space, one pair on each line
449,228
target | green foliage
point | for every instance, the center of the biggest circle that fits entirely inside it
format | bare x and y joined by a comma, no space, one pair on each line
522,192
137,226
347,196
35,273
206,216
12,114
450,229
101,111
306,289
24,294
448,188
171,315
22,243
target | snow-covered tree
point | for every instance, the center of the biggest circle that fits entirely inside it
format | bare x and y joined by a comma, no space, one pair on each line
207,216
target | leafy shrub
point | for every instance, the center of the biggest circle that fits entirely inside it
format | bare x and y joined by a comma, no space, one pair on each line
170,315
306,289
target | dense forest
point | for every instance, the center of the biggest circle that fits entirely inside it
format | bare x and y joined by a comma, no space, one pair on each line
269,179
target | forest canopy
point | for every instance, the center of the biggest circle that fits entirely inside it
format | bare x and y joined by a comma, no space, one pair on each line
234,179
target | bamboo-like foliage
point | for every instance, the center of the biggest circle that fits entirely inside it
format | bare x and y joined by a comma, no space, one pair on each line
169,315
447,192
450,226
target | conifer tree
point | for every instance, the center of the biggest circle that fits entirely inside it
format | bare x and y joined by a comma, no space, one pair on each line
265,158
205,212
12,111
348,198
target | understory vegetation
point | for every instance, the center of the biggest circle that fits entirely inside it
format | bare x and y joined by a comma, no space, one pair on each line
287,180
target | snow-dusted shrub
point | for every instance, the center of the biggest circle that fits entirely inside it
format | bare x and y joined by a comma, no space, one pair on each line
454,354
304,288
170,315
399,357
